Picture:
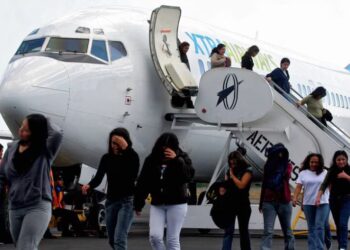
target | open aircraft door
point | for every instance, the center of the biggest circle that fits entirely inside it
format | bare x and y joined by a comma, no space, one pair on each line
163,40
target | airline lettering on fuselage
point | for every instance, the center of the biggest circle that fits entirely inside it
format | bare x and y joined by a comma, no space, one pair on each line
203,45
261,143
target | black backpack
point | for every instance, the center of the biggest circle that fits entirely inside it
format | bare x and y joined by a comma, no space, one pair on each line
275,167
221,212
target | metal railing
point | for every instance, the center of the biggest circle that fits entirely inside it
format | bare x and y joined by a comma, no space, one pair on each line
333,130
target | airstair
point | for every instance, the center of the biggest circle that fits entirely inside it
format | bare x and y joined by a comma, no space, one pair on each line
244,104
257,116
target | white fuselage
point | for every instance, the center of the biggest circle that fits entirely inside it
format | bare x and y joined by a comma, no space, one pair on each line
88,100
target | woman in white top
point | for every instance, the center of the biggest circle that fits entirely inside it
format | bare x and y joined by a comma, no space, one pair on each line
310,178
218,58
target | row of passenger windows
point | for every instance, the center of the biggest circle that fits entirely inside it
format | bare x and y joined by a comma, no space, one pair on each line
75,45
332,99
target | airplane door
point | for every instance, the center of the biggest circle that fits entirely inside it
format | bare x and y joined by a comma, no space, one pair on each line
163,39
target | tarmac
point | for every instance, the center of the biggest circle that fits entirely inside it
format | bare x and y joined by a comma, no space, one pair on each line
138,239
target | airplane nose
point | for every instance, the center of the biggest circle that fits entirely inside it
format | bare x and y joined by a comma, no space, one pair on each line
34,84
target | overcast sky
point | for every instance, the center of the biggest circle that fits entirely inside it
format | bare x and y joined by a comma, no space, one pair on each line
318,29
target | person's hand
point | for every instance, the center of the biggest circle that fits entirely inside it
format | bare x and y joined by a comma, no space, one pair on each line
269,79
85,188
318,200
169,153
138,213
232,172
295,202
342,175
122,142
298,104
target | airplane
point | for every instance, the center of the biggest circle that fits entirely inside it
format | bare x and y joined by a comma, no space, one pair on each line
94,70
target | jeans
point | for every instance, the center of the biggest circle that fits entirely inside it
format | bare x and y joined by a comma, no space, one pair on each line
284,213
119,216
29,224
243,216
316,218
327,234
173,216
340,207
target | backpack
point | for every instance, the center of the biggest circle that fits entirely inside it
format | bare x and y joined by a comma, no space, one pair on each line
275,167
221,212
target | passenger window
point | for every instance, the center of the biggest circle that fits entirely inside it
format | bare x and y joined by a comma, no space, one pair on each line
337,99
341,101
299,89
304,89
333,99
98,49
328,98
116,50
346,102
201,66
308,90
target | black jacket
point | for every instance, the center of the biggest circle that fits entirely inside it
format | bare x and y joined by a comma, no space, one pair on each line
247,62
121,173
167,186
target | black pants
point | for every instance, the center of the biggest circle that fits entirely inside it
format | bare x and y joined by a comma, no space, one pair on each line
5,235
243,215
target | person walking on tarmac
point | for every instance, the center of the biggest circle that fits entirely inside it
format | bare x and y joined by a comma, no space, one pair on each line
275,199
238,181
247,59
26,167
164,175
338,181
121,165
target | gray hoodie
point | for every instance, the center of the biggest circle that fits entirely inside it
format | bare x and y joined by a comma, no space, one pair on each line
29,188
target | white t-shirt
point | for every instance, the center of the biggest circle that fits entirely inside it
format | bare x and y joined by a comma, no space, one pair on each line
311,183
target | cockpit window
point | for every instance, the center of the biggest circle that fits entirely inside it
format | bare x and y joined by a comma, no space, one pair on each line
30,46
99,50
72,45
117,50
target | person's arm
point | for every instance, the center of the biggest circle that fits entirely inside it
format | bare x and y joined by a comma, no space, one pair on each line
101,171
216,61
133,162
54,139
241,184
296,194
186,169
2,171
343,175
245,63
142,186
325,184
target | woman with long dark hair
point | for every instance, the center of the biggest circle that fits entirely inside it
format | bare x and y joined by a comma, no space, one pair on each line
237,186
164,175
121,165
26,169
310,178
247,58
314,103
218,58
338,178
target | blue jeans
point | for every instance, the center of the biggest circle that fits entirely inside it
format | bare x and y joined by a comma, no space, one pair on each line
284,213
119,215
316,218
327,234
243,216
340,207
